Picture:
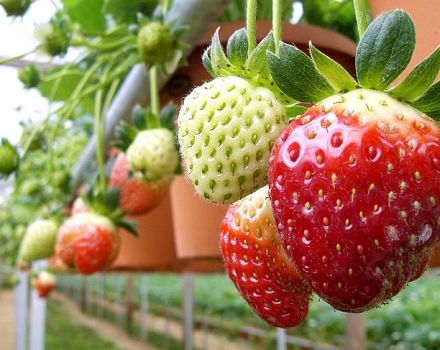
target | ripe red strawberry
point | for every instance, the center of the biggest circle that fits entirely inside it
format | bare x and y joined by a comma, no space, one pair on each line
355,181
355,186
135,196
88,242
258,265
44,282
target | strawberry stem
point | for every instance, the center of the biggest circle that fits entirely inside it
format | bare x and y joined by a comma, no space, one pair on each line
251,18
277,23
15,58
154,92
99,132
363,15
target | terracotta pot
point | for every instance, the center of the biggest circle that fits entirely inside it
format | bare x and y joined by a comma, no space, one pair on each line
154,249
196,222
426,16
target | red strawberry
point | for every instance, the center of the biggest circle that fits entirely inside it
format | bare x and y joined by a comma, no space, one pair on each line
355,187
44,283
136,197
89,242
258,265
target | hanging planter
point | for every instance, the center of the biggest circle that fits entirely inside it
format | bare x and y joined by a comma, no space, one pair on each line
196,221
154,249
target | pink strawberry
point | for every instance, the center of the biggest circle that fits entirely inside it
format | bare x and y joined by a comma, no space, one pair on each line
136,196
258,265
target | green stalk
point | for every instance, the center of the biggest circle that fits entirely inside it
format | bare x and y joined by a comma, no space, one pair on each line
251,19
277,23
99,132
15,58
363,15
154,94
165,6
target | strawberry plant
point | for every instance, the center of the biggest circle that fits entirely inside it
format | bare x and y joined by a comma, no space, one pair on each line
354,180
227,127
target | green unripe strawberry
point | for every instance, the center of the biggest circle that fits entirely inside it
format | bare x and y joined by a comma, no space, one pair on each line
9,158
54,36
39,241
29,76
152,155
227,128
15,7
156,43
29,187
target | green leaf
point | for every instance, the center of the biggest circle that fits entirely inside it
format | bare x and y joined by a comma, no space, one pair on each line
129,226
89,14
420,78
257,60
124,11
62,87
385,49
335,74
296,75
207,63
220,63
293,111
430,101
138,116
237,47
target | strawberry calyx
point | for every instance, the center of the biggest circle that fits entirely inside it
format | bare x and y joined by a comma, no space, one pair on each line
144,119
107,205
238,62
383,53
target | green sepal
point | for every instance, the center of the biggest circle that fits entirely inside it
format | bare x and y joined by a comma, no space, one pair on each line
257,60
125,135
294,111
335,74
430,101
138,117
129,226
237,47
296,75
420,79
111,199
220,62
385,50
167,116
207,63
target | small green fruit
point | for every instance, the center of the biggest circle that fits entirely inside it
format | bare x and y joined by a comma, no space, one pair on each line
39,241
156,43
29,76
9,158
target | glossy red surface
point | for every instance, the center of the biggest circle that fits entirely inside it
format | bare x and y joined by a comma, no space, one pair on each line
260,269
357,203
